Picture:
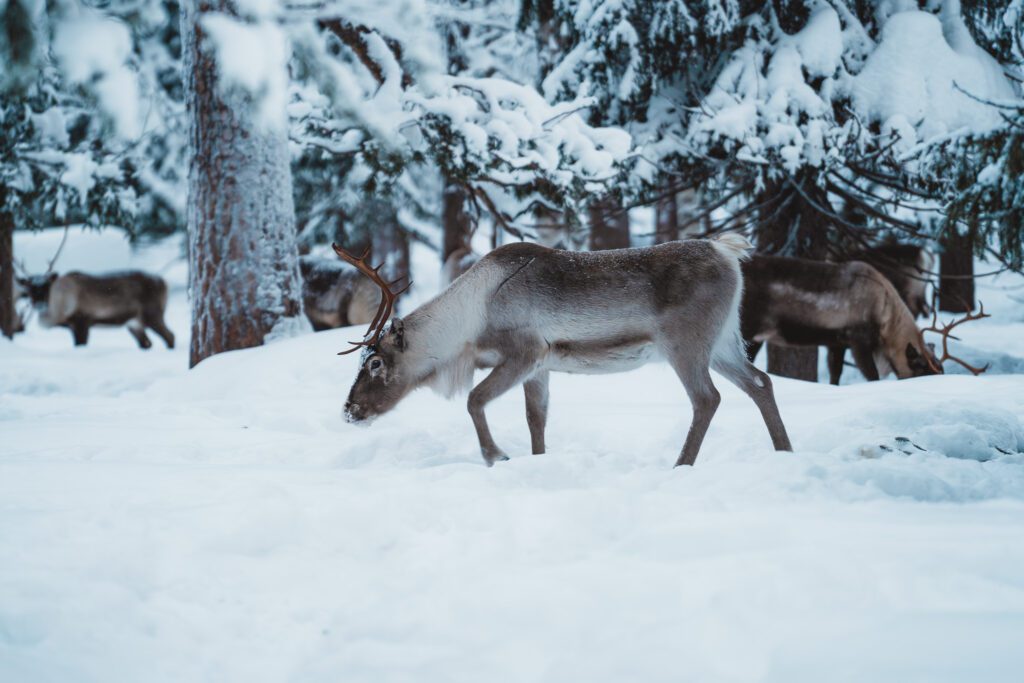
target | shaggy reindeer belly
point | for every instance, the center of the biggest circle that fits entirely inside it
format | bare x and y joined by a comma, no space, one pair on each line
588,357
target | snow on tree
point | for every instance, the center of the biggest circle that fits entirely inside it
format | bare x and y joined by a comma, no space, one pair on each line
510,149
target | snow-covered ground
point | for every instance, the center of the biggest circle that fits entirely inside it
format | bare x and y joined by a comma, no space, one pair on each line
224,524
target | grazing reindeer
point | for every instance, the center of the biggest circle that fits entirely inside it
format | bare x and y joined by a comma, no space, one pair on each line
336,295
526,310
797,302
79,301
906,267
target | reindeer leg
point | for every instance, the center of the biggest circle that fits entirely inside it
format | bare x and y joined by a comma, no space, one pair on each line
865,361
536,390
139,332
512,371
758,386
80,331
157,324
836,354
704,397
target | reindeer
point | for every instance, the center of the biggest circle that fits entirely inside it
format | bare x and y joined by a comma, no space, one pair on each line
525,310
336,295
797,302
78,301
905,266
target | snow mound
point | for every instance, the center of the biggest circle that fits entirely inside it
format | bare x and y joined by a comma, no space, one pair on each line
916,79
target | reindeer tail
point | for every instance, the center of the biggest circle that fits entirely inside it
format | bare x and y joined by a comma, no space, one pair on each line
734,244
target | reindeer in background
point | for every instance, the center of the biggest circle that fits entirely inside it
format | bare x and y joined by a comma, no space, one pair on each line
336,295
525,310
906,266
798,302
79,301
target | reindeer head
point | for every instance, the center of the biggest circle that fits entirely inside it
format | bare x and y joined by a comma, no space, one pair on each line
36,288
920,361
382,380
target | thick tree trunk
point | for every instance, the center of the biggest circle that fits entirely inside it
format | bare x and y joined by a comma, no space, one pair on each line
666,220
455,221
792,227
8,310
609,226
243,260
956,273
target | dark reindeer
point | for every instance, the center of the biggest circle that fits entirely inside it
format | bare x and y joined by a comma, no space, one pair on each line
78,301
525,310
797,302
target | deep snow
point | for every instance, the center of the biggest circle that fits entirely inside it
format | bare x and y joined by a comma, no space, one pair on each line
224,524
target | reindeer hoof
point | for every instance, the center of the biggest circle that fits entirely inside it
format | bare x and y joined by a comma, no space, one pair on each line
496,456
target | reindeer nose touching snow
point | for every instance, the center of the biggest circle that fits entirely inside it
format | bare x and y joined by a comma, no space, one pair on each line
353,413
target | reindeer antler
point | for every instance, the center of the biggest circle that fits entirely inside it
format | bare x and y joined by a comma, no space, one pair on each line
945,331
60,248
387,297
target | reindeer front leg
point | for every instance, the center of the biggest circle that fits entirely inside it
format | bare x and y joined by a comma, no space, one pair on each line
865,361
510,372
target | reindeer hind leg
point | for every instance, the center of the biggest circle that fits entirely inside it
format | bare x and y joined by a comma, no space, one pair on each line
155,322
138,330
536,390
758,386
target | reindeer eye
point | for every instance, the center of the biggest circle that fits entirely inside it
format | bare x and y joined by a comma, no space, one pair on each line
375,364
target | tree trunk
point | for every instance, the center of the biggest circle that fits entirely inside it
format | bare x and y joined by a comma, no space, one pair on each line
8,310
956,273
792,227
666,220
455,221
795,362
609,226
243,259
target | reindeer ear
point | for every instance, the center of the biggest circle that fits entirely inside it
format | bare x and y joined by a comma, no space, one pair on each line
398,331
52,277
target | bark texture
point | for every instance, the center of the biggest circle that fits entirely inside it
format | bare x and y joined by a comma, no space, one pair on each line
791,226
455,221
956,273
8,311
666,220
609,226
243,259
